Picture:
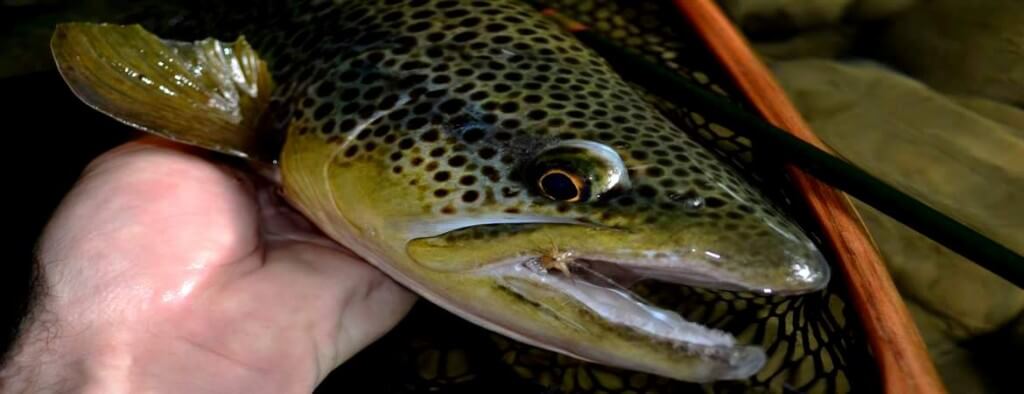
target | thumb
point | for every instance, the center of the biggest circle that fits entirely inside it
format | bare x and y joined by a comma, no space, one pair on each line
362,303
346,303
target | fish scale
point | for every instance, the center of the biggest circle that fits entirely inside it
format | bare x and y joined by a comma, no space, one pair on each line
442,139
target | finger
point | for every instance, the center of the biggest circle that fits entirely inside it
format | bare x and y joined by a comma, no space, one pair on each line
350,302
282,223
356,303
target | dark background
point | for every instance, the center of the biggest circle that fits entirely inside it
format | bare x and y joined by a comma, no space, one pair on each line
50,136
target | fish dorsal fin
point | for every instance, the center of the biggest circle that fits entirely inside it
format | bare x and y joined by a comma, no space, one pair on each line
205,93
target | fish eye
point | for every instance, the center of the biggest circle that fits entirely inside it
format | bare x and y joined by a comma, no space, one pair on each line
560,185
577,171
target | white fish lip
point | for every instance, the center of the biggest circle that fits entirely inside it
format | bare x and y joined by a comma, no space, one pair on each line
606,298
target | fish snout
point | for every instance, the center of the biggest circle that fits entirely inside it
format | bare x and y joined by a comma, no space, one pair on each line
772,262
768,262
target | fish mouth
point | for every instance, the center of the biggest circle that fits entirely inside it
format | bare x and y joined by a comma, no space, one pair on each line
601,288
586,291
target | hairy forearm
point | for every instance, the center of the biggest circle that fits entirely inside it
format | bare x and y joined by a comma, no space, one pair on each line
49,362
16,373
36,364
57,354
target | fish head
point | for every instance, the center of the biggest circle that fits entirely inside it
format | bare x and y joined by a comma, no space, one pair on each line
531,211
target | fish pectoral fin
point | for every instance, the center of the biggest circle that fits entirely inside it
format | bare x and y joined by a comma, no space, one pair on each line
206,93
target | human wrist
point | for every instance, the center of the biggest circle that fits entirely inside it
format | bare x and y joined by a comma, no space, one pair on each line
40,360
46,359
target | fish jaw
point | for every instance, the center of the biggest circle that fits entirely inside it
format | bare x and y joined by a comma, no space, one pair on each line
585,309
596,305
591,320
584,315
588,311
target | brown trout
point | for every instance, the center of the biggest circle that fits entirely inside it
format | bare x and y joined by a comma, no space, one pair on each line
477,154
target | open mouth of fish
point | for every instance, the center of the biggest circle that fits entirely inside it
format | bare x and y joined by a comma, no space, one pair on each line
602,289
593,294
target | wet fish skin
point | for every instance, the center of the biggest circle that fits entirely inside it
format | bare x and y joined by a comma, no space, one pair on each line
461,145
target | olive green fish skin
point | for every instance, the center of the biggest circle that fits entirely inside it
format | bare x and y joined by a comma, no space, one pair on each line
456,98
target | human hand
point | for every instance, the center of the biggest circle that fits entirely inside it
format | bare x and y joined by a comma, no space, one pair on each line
162,271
